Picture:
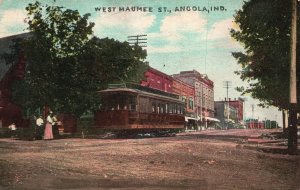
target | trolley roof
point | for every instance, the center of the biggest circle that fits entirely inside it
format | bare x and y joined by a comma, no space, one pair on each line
142,91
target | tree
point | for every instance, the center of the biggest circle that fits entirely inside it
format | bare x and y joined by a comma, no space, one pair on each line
116,61
264,30
67,65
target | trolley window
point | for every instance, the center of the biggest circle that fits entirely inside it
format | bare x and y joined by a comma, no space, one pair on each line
118,101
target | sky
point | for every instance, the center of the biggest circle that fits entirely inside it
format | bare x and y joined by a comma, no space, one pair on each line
181,35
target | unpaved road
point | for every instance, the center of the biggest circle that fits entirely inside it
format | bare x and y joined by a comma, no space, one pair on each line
201,160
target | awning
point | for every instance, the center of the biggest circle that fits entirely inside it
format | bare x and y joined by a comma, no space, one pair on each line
189,118
212,119
229,120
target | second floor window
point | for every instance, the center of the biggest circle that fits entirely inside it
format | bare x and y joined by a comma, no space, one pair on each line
191,103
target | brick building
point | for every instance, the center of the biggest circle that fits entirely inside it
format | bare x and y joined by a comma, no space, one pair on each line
9,73
204,93
236,111
225,114
238,104
157,80
187,93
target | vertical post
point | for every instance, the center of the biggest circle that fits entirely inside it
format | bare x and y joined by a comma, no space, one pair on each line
228,111
244,105
1,107
275,121
197,104
284,120
252,119
292,131
227,85
201,101
197,115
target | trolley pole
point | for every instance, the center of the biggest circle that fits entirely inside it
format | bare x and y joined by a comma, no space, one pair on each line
292,132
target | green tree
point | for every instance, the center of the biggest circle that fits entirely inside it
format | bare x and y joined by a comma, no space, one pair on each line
264,30
67,64
116,61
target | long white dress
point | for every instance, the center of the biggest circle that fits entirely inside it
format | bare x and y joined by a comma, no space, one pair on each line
48,134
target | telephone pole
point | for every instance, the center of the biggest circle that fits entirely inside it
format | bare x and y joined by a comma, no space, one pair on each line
244,105
139,40
292,131
227,85
252,119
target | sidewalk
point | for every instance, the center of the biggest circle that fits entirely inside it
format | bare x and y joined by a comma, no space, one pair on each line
269,144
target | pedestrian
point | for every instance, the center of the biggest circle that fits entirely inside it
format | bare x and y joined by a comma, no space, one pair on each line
39,129
48,134
13,130
55,127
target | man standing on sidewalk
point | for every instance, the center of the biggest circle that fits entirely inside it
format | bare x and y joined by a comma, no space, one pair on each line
39,130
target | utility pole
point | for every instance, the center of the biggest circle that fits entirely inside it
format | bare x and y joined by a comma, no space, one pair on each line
276,124
285,120
139,40
292,131
252,119
199,107
227,85
244,104
203,106
265,123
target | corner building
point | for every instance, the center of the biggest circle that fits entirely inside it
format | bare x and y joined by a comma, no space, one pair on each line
204,93
187,93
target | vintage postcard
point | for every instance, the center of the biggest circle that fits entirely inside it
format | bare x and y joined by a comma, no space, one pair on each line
139,94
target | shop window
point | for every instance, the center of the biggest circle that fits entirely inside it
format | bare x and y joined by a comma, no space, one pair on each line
191,103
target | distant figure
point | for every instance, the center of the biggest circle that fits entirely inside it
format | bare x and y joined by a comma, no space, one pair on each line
39,129
55,126
48,134
13,129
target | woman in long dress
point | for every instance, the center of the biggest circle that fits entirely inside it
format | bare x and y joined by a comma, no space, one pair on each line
48,134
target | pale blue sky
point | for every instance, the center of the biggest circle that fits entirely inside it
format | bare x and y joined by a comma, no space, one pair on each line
176,41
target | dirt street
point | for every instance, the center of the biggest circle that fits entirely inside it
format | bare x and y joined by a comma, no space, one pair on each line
194,160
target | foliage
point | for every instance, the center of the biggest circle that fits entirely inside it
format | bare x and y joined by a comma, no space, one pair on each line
67,65
264,30
115,61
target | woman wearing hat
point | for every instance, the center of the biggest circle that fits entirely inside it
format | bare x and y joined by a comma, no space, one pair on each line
48,134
